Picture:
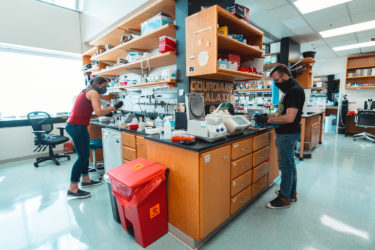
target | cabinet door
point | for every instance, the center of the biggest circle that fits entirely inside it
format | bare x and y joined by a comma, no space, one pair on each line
128,140
261,141
273,171
241,166
214,189
242,148
261,156
315,134
129,153
141,147
260,171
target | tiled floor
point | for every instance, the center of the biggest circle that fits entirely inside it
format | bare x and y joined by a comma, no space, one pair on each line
335,210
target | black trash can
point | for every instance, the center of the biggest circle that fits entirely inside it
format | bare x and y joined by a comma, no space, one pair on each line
115,213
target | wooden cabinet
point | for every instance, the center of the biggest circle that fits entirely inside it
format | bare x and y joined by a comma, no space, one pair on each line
240,183
261,156
261,141
360,71
129,153
241,166
259,186
128,140
205,45
260,171
240,200
141,147
241,148
304,76
273,171
215,190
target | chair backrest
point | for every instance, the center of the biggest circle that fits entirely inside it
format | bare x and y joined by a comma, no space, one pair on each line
366,118
40,121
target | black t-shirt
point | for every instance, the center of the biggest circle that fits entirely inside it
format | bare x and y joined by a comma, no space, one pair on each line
294,97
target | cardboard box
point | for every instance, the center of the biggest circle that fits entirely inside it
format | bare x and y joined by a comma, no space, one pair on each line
154,23
223,30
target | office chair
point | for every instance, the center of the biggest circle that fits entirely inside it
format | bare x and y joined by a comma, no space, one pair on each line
366,119
42,125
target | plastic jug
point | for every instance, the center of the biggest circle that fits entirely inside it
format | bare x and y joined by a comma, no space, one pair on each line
167,129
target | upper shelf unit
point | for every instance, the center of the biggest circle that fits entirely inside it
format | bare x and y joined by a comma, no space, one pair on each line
157,61
304,77
146,42
134,19
205,45
360,71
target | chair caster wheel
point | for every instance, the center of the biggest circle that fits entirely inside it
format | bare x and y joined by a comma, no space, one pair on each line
36,165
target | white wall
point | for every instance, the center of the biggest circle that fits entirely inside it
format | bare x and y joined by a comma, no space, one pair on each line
18,142
97,15
35,24
338,66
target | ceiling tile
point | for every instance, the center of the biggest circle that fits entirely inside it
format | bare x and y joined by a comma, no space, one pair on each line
368,49
335,39
363,17
321,54
361,6
294,23
313,45
303,30
366,35
272,4
341,43
348,52
284,12
336,23
327,15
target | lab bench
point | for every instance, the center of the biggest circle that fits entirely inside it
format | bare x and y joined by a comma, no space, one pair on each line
210,183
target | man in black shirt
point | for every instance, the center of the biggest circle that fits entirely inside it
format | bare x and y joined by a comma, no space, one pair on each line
288,118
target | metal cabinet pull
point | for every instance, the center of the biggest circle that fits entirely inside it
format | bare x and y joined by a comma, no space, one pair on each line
244,166
226,157
244,200
243,149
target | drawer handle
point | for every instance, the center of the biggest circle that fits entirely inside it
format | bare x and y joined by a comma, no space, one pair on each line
226,157
140,144
244,167
243,184
243,149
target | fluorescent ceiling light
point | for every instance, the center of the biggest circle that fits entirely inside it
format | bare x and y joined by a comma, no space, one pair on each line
348,29
355,46
307,6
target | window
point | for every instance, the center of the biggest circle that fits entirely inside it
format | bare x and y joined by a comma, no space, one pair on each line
69,4
32,81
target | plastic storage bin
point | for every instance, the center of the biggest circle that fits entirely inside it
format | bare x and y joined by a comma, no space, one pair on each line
154,23
112,198
140,190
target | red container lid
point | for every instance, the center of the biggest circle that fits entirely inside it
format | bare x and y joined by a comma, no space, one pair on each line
136,172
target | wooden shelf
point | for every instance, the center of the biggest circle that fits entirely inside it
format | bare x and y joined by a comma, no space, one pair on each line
303,60
235,23
92,70
157,61
237,75
252,90
362,67
146,42
270,54
359,77
362,56
270,66
368,87
147,84
231,45
318,88
133,21
90,52
320,81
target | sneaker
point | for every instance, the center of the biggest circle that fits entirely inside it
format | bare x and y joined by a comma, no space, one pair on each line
91,183
279,202
79,194
293,197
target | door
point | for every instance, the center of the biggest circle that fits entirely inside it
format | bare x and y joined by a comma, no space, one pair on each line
214,189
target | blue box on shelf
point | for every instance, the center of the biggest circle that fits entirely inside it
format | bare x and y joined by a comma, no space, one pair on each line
155,22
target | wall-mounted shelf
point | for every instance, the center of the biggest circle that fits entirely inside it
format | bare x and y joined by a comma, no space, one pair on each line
90,52
318,88
270,66
270,54
361,67
252,90
231,45
146,42
205,45
92,70
133,21
147,84
364,87
359,77
306,60
157,61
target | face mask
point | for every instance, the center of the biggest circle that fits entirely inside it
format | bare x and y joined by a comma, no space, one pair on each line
284,86
102,90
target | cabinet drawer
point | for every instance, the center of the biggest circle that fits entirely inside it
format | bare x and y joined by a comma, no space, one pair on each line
241,148
261,141
259,186
141,147
128,140
240,183
129,153
240,200
260,171
241,166
261,156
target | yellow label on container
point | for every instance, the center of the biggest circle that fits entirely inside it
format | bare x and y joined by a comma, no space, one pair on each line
136,167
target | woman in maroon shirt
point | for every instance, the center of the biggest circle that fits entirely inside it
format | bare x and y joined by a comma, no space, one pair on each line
76,126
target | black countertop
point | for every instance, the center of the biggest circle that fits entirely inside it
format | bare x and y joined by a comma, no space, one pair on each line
115,127
202,145
311,115
19,122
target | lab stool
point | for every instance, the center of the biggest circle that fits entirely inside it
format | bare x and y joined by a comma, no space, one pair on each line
95,144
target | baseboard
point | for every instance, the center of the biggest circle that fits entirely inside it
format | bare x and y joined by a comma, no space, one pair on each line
27,157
